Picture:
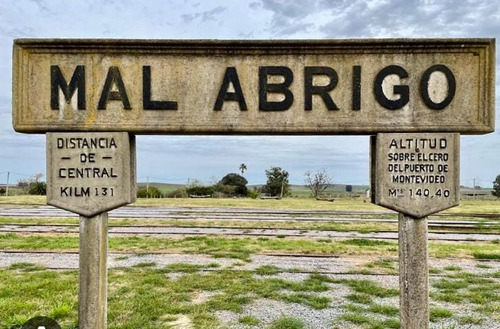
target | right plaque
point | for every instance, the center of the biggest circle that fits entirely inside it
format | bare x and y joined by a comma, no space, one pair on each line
416,174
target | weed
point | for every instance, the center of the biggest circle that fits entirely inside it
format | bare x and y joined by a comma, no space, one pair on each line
286,322
27,267
481,265
486,255
356,318
145,264
313,301
267,270
470,320
384,309
367,242
370,288
438,313
249,320
359,298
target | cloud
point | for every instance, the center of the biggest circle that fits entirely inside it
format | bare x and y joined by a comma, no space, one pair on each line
204,16
178,157
399,18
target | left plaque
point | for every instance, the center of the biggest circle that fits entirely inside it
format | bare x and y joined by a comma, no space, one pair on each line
90,173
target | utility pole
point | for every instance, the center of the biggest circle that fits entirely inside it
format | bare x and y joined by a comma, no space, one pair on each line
147,187
7,187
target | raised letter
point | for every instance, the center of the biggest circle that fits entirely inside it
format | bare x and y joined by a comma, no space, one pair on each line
356,87
322,91
280,88
424,87
113,77
147,103
57,82
231,76
401,90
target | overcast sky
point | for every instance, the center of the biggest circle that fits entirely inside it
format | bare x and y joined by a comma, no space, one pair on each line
176,159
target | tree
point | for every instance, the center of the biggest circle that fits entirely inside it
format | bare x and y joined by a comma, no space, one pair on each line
277,182
233,184
348,188
243,168
496,187
318,181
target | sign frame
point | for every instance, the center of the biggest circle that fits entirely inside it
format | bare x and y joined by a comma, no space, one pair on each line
32,115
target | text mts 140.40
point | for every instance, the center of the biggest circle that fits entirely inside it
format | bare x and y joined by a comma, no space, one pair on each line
419,161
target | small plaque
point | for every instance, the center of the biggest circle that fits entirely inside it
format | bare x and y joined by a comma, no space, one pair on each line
90,173
416,173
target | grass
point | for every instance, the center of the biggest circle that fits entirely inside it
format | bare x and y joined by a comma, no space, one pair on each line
475,289
146,294
145,297
267,270
340,204
243,248
438,313
287,323
249,320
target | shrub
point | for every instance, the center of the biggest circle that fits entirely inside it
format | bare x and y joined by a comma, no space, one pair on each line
200,190
254,194
151,192
38,188
179,193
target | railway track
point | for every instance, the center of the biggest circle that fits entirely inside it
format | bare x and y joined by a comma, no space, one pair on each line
439,229
170,231
180,213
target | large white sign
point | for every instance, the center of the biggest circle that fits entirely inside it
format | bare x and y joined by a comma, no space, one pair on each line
255,87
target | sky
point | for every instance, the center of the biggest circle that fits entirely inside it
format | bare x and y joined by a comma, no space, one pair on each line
179,159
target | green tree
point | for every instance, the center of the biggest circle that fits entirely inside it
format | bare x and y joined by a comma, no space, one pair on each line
496,187
243,168
277,182
233,184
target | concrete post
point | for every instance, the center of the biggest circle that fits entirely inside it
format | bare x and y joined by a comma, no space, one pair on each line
92,309
413,273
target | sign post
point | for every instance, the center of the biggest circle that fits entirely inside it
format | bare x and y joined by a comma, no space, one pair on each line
413,272
90,174
417,175
93,292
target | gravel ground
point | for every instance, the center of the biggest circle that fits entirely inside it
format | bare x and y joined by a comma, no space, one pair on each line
343,264
266,310
168,232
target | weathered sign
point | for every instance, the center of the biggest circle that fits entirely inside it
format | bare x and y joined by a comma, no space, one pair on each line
416,173
89,173
254,87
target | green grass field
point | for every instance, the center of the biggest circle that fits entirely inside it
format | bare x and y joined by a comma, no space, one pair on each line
468,206
149,296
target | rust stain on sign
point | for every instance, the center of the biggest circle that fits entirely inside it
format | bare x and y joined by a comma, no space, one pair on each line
254,87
